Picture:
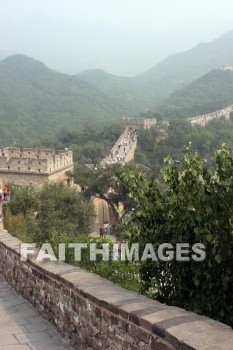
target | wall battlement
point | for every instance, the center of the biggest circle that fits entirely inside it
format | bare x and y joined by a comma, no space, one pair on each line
32,166
228,67
137,122
205,118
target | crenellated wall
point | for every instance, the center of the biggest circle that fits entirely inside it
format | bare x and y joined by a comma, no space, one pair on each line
205,118
137,122
31,167
92,313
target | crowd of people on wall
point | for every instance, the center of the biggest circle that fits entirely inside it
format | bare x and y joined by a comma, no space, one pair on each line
121,149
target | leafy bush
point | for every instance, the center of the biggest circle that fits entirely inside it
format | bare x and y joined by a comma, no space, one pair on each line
122,273
53,209
197,207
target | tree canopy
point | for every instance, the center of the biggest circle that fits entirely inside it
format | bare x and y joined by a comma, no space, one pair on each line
195,208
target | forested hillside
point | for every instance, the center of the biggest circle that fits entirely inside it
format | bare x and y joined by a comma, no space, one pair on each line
180,134
209,93
38,102
126,91
182,68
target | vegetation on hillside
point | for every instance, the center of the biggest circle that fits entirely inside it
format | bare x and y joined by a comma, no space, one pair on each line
175,72
209,93
37,102
178,135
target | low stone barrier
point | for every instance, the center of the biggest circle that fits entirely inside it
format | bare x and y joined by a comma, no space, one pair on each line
93,313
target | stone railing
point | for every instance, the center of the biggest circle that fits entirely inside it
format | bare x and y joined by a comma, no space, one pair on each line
93,313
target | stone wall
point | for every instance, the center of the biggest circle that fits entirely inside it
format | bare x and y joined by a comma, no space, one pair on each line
31,167
93,313
137,122
206,118
130,155
35,179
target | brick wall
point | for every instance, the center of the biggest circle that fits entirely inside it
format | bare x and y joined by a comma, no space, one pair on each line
136,122
31,167
93,313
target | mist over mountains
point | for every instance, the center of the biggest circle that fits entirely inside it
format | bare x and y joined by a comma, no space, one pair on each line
71,47
36,101
171,74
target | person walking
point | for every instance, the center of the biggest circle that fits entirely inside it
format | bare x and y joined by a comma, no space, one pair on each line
101,229
5,192
106,228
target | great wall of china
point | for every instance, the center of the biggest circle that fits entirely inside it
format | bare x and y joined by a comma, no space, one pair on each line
33,168
205,118
90,313
122,151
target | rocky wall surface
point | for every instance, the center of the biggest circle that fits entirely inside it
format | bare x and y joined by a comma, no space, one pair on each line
93,313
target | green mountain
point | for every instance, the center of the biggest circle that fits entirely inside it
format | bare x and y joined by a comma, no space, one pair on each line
175,72
180,69
36,101
126,92
208,93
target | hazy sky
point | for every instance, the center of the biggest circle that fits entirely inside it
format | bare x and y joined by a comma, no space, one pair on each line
151,13
153,29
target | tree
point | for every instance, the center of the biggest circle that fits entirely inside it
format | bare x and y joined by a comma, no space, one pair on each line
98,182
59,211
197,207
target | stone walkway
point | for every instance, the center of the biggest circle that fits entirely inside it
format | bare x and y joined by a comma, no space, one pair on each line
22,328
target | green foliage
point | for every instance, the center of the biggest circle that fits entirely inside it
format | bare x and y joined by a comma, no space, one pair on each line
209,93
197,207
24,200
52,210
18,225
98,182
179,134
36,102
122,273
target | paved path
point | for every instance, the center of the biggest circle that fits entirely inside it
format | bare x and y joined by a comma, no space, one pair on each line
21,327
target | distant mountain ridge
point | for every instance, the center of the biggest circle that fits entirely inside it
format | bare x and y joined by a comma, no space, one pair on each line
37,101
171,74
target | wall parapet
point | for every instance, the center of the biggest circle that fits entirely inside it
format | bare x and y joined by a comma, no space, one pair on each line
139,122
93,313
205,118
31,160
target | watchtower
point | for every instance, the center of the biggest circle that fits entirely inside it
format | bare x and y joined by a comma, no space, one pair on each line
137,122
32,167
